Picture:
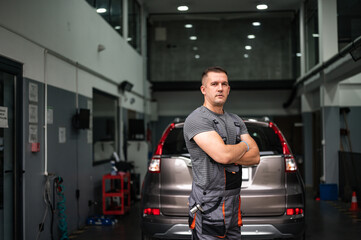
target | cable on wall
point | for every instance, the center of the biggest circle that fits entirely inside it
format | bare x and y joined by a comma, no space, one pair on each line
60,205
45,116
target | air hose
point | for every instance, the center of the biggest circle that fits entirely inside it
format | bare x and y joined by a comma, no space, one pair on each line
63,226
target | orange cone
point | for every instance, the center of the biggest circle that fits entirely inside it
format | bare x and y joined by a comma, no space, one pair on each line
354,206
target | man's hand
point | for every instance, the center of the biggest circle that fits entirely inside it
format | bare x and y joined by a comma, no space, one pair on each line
211,143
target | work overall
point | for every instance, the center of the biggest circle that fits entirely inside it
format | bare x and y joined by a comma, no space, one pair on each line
215,211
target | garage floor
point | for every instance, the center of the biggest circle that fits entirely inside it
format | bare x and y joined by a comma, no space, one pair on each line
324,220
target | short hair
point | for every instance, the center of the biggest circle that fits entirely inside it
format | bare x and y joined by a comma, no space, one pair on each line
216,69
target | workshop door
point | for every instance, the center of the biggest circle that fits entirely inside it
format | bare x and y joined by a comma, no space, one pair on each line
9,169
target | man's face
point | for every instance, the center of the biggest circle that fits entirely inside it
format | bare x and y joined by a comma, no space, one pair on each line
215,88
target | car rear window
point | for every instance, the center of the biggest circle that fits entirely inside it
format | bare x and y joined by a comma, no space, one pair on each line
265,137
175,144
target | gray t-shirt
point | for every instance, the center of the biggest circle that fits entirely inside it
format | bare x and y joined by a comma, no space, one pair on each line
203,120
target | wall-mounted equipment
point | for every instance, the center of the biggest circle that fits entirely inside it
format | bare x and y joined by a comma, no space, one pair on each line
125,86
81,119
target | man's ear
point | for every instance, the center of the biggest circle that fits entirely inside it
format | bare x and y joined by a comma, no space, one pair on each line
202,89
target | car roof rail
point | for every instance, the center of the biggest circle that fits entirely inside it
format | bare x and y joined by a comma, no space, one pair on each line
178,120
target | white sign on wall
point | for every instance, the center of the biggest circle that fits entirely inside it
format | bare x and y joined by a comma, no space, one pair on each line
33,92
33,133
62,134
33,113
4,117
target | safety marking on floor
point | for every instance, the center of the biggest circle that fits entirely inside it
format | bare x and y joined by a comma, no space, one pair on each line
344,208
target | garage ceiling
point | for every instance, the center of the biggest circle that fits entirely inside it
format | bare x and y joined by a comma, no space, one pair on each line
217,6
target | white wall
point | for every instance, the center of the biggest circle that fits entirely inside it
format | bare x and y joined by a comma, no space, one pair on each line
350,91
71,30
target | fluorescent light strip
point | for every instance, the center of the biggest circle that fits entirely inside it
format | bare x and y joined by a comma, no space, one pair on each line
183,8
262,7
101,10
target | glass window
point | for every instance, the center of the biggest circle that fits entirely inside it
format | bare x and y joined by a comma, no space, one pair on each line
250,46
116,15
134,24
175,144
311,34
266,138
349,21
105,126
111,11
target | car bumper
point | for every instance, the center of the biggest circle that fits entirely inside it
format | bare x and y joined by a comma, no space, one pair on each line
171,228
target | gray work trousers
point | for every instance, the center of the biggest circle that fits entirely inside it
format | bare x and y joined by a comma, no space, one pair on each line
220,219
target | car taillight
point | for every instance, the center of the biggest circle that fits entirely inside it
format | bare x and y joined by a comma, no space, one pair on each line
151,211
290,162
154,165
294,211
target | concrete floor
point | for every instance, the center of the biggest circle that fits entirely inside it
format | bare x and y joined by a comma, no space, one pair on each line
324,220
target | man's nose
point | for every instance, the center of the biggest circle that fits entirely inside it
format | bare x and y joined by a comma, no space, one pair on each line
220,87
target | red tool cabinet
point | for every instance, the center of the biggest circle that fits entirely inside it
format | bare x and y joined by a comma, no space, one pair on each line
116,193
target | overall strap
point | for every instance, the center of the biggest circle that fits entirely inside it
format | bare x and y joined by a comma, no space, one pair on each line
218,130
238,128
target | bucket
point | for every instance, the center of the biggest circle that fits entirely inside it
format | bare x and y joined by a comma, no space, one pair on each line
328,192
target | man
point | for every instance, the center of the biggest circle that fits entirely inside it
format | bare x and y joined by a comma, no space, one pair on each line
218,143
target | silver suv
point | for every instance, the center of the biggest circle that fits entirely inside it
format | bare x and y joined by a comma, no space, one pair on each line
272,193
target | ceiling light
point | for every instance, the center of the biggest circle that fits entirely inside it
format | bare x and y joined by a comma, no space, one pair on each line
251,36
245,55
315,35
117,27
298,54
256,24
129,39
188,26
248,47
183,8
101,10
262,7
197,56
193,37
195,48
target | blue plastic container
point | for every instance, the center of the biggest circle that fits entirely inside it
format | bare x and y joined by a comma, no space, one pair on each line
328,192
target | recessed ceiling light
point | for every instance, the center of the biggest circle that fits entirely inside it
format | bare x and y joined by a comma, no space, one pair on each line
262,7
248,47
245,55
197,56
117,27
315,35
251,36
188,26
183,8
101,10
256,24
193,37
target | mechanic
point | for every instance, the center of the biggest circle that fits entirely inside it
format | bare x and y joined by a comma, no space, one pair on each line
219,144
